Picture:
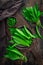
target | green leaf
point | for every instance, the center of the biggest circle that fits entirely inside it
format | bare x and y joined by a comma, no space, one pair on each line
22,42
11,21
37,30
21,33
14,54
31,14
29,33
12,30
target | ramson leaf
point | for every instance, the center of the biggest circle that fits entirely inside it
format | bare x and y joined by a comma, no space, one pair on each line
14,54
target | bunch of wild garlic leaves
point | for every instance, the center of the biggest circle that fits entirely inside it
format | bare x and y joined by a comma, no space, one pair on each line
32,15
18,37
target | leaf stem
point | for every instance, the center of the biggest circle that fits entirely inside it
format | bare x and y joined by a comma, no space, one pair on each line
37,29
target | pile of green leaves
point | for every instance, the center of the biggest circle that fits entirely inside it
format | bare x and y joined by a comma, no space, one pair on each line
14,54
22,36
19,36
32,14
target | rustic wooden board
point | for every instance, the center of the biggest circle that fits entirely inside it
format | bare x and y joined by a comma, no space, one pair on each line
35,47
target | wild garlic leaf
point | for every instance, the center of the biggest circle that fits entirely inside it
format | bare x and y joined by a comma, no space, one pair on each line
14,54
11,21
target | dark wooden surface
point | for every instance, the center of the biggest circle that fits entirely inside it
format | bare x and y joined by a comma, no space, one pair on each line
34,53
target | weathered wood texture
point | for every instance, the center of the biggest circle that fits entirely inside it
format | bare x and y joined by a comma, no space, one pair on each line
35,48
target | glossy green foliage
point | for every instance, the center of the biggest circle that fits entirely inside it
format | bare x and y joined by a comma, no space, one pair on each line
14,54
32,14
11,21
22,37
